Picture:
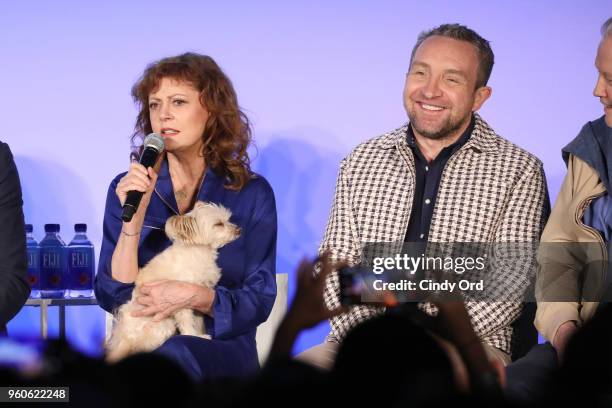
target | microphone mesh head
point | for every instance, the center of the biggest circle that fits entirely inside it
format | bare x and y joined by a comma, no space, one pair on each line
155,141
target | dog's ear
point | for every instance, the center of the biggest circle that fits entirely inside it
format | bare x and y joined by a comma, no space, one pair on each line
182,229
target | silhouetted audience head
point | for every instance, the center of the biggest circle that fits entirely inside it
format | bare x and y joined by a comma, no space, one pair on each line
289,382
389,358
149,379
588,362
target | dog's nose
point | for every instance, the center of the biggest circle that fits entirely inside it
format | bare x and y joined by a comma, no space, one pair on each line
238,231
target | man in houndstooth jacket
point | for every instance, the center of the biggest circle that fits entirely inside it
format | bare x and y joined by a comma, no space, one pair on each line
445,177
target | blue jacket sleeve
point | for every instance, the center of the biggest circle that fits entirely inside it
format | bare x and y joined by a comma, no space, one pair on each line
238,311
111,293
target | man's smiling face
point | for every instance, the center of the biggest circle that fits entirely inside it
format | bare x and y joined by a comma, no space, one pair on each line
440,93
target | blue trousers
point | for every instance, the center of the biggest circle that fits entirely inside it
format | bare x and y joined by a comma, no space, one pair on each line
529,377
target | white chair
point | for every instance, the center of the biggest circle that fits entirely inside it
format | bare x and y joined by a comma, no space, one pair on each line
265,331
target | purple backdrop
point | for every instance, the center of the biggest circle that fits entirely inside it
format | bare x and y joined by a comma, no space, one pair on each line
315,78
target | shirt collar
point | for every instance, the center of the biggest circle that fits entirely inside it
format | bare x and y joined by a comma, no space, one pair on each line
164,189
482,139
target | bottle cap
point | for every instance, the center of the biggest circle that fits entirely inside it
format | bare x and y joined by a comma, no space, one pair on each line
28,228
52,227
80,227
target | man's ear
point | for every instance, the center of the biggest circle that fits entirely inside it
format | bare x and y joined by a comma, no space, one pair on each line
181,228
480,96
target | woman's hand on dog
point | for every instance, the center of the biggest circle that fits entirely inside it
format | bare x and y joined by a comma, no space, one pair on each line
163,298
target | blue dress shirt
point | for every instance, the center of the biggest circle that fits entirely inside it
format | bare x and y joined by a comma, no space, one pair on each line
246,291
427,181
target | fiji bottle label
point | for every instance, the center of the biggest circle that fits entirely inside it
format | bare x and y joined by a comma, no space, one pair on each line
34,269
52,270
81,269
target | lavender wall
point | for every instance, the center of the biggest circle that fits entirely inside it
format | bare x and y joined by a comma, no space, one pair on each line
315,78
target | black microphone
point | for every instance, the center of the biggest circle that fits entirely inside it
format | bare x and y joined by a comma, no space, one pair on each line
153,146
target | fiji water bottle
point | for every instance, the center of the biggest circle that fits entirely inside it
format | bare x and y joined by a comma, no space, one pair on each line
81,264
52,263
33,262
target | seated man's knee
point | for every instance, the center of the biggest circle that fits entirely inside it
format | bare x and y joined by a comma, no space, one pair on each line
321,356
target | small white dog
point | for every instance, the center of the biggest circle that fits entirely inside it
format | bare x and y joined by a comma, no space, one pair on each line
196,236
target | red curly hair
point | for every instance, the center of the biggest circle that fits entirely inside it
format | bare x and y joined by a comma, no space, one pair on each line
227,133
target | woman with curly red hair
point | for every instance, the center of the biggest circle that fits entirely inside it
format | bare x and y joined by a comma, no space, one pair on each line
192,104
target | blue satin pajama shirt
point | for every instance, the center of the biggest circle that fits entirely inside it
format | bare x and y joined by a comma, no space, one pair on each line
246,291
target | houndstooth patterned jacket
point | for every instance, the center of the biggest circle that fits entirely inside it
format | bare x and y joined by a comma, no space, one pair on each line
490,191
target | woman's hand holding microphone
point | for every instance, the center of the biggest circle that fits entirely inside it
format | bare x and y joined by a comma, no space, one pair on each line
124,263
140,179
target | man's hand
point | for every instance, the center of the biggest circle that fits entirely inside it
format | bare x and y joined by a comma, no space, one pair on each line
453,330
562,337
